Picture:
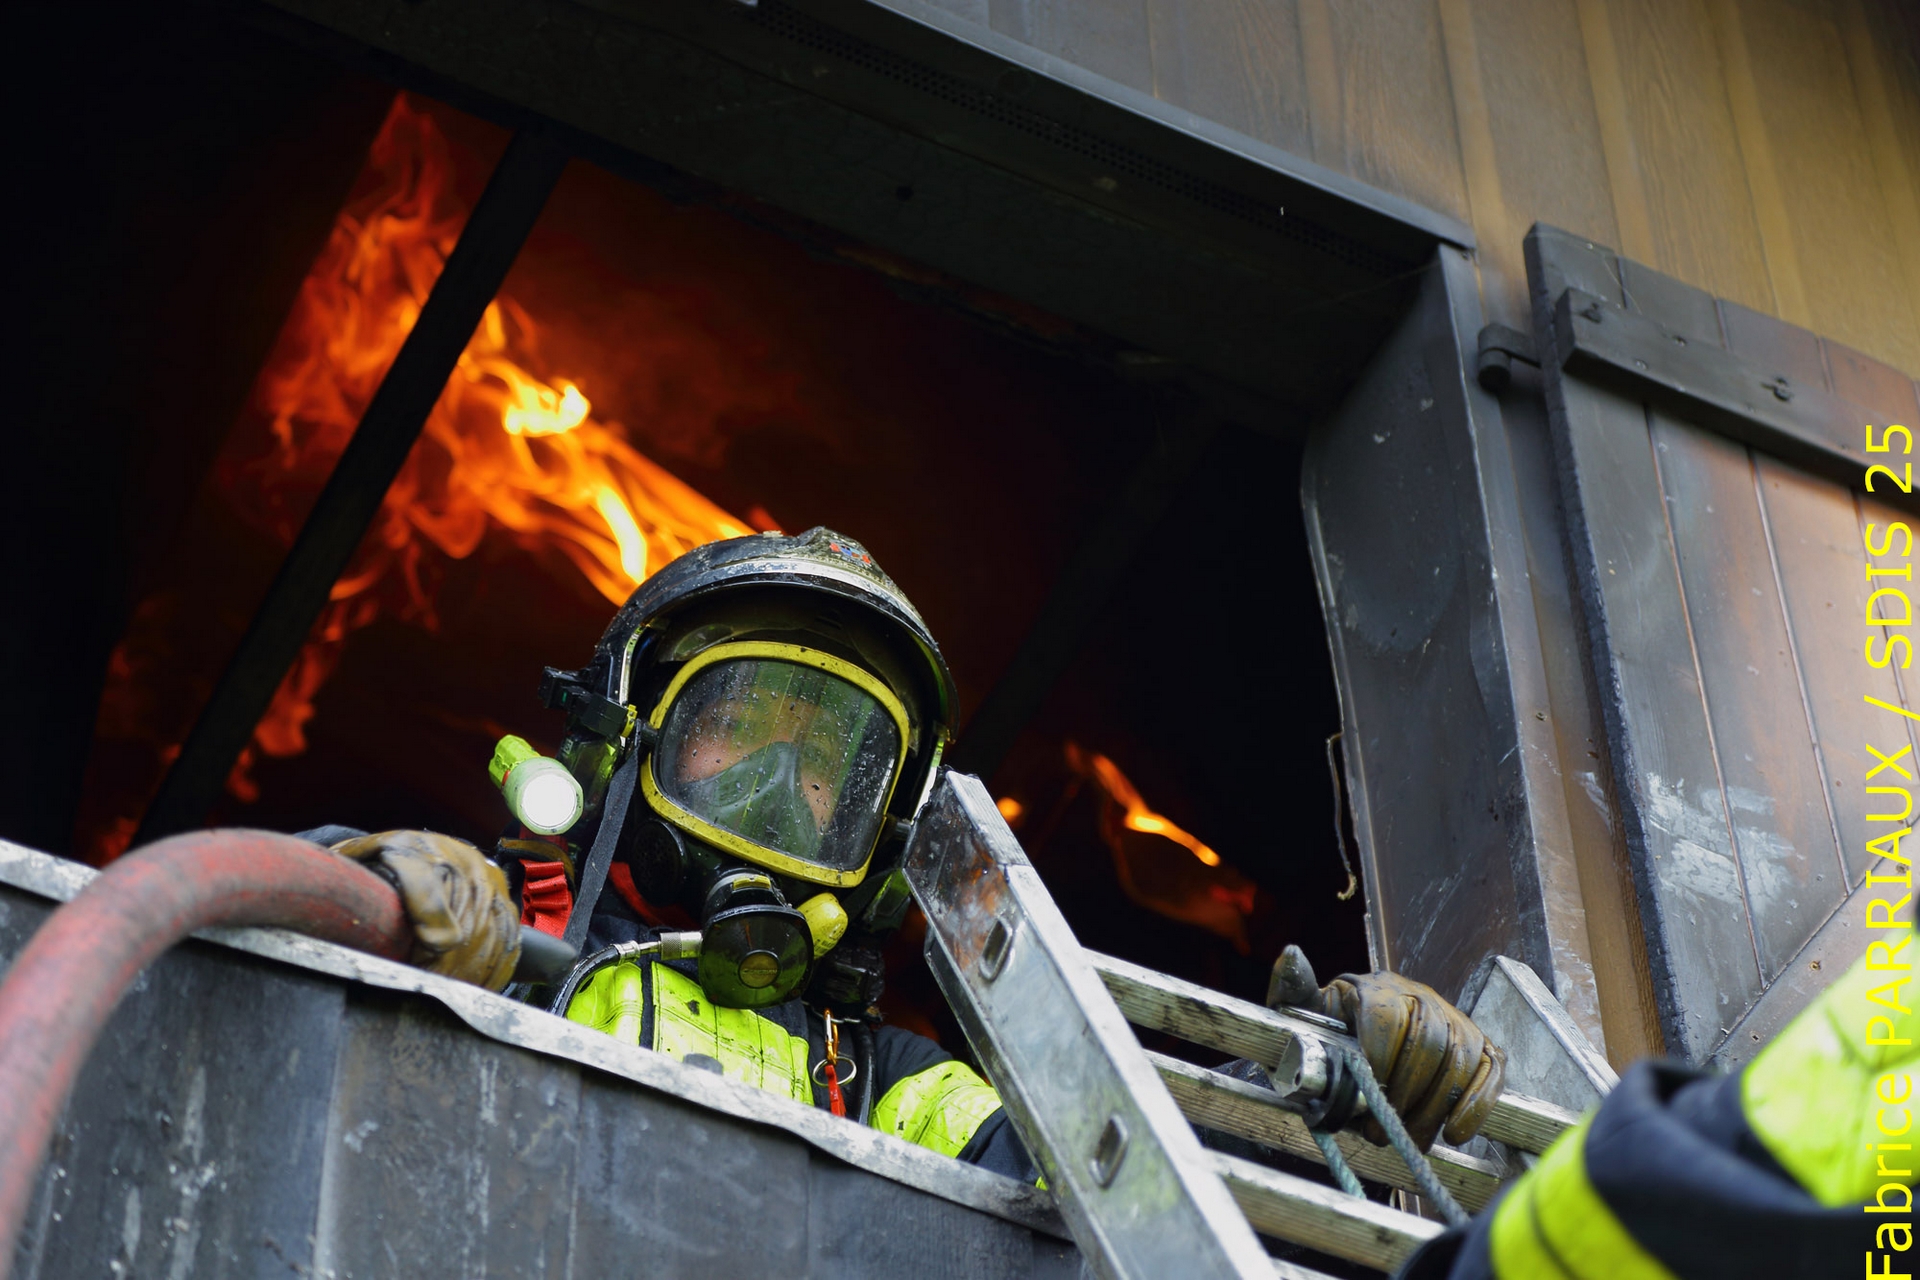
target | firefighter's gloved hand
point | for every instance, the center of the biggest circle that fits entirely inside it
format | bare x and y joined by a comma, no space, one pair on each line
464,922
1440,1071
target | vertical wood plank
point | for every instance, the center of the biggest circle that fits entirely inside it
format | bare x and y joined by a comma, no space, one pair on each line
1873,385
1691,897
1607,79
1692,911
1502,275
1622,981
1322,58
1822,562
1893,397
1701,214
1548,157
1886,80
1238,62
1756,155
1886,731
1105,36
1757,713
1395,127
1814,533
1832,185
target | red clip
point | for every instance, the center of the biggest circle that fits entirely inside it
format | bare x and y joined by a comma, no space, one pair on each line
836,1101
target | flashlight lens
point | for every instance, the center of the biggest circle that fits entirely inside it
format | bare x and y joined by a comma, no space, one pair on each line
544,796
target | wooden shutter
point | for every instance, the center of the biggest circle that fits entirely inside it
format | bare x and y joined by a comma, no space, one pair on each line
1710,462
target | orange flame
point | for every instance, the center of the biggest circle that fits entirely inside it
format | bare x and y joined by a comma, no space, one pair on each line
504,448
1134,813
1200,890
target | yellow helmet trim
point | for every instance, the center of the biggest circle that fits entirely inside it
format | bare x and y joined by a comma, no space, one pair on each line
738,845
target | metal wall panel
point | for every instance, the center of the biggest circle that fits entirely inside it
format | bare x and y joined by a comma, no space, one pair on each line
1723,591
244,1117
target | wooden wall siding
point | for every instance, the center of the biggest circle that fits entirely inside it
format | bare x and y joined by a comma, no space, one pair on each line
1724,592
1766,151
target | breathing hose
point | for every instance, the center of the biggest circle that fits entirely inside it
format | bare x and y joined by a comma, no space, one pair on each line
68,980
668,946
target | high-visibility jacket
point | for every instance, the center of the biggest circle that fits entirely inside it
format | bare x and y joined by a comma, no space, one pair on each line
1802,1164
910,1086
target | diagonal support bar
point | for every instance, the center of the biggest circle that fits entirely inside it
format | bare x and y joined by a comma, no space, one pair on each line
488,244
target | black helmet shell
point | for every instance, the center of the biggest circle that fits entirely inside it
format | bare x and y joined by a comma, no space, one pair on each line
818,560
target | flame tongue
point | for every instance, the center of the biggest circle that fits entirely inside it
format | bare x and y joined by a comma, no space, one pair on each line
1159,864
1134,813
503,448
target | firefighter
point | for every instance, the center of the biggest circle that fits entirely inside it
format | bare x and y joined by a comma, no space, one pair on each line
1796,1166
752,739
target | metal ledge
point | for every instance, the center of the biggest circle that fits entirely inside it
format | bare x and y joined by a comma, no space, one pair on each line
507,1022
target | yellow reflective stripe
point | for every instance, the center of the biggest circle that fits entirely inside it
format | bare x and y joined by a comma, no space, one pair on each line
940,1108
1810,1096
1554,1226
614,1001
749,1048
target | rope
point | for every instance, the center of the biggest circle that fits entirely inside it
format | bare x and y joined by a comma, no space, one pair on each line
1342,1171
1339,831
1401,1142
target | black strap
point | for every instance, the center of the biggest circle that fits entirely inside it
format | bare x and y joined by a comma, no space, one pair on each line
593,877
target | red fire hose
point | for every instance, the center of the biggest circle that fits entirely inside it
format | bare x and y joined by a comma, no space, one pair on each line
66,983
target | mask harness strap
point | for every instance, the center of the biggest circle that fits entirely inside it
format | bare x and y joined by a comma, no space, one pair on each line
593,877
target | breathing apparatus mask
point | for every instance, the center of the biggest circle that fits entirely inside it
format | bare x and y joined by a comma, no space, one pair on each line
775,767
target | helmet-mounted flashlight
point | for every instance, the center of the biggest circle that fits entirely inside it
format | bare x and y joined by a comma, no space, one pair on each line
540,793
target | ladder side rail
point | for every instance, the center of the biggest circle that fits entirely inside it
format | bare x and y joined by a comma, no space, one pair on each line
1134,1185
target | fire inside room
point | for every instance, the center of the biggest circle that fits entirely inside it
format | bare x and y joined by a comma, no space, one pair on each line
668,364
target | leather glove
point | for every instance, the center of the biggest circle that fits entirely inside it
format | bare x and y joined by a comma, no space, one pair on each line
464,922
1437,1067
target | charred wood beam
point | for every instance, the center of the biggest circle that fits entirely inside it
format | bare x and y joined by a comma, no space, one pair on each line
494,232
1097,566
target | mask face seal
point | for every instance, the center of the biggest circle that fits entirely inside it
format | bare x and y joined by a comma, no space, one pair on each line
755,950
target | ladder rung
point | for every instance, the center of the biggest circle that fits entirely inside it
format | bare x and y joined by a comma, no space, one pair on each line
1531,1124
1284,1270
1192,1012
1279,1204
1221,1102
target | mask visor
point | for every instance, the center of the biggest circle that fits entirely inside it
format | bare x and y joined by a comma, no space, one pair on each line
780,756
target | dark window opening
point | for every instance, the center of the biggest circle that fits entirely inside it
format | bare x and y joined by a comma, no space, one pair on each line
780,376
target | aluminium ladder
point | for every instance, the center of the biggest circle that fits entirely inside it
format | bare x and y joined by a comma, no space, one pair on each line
1108,1121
